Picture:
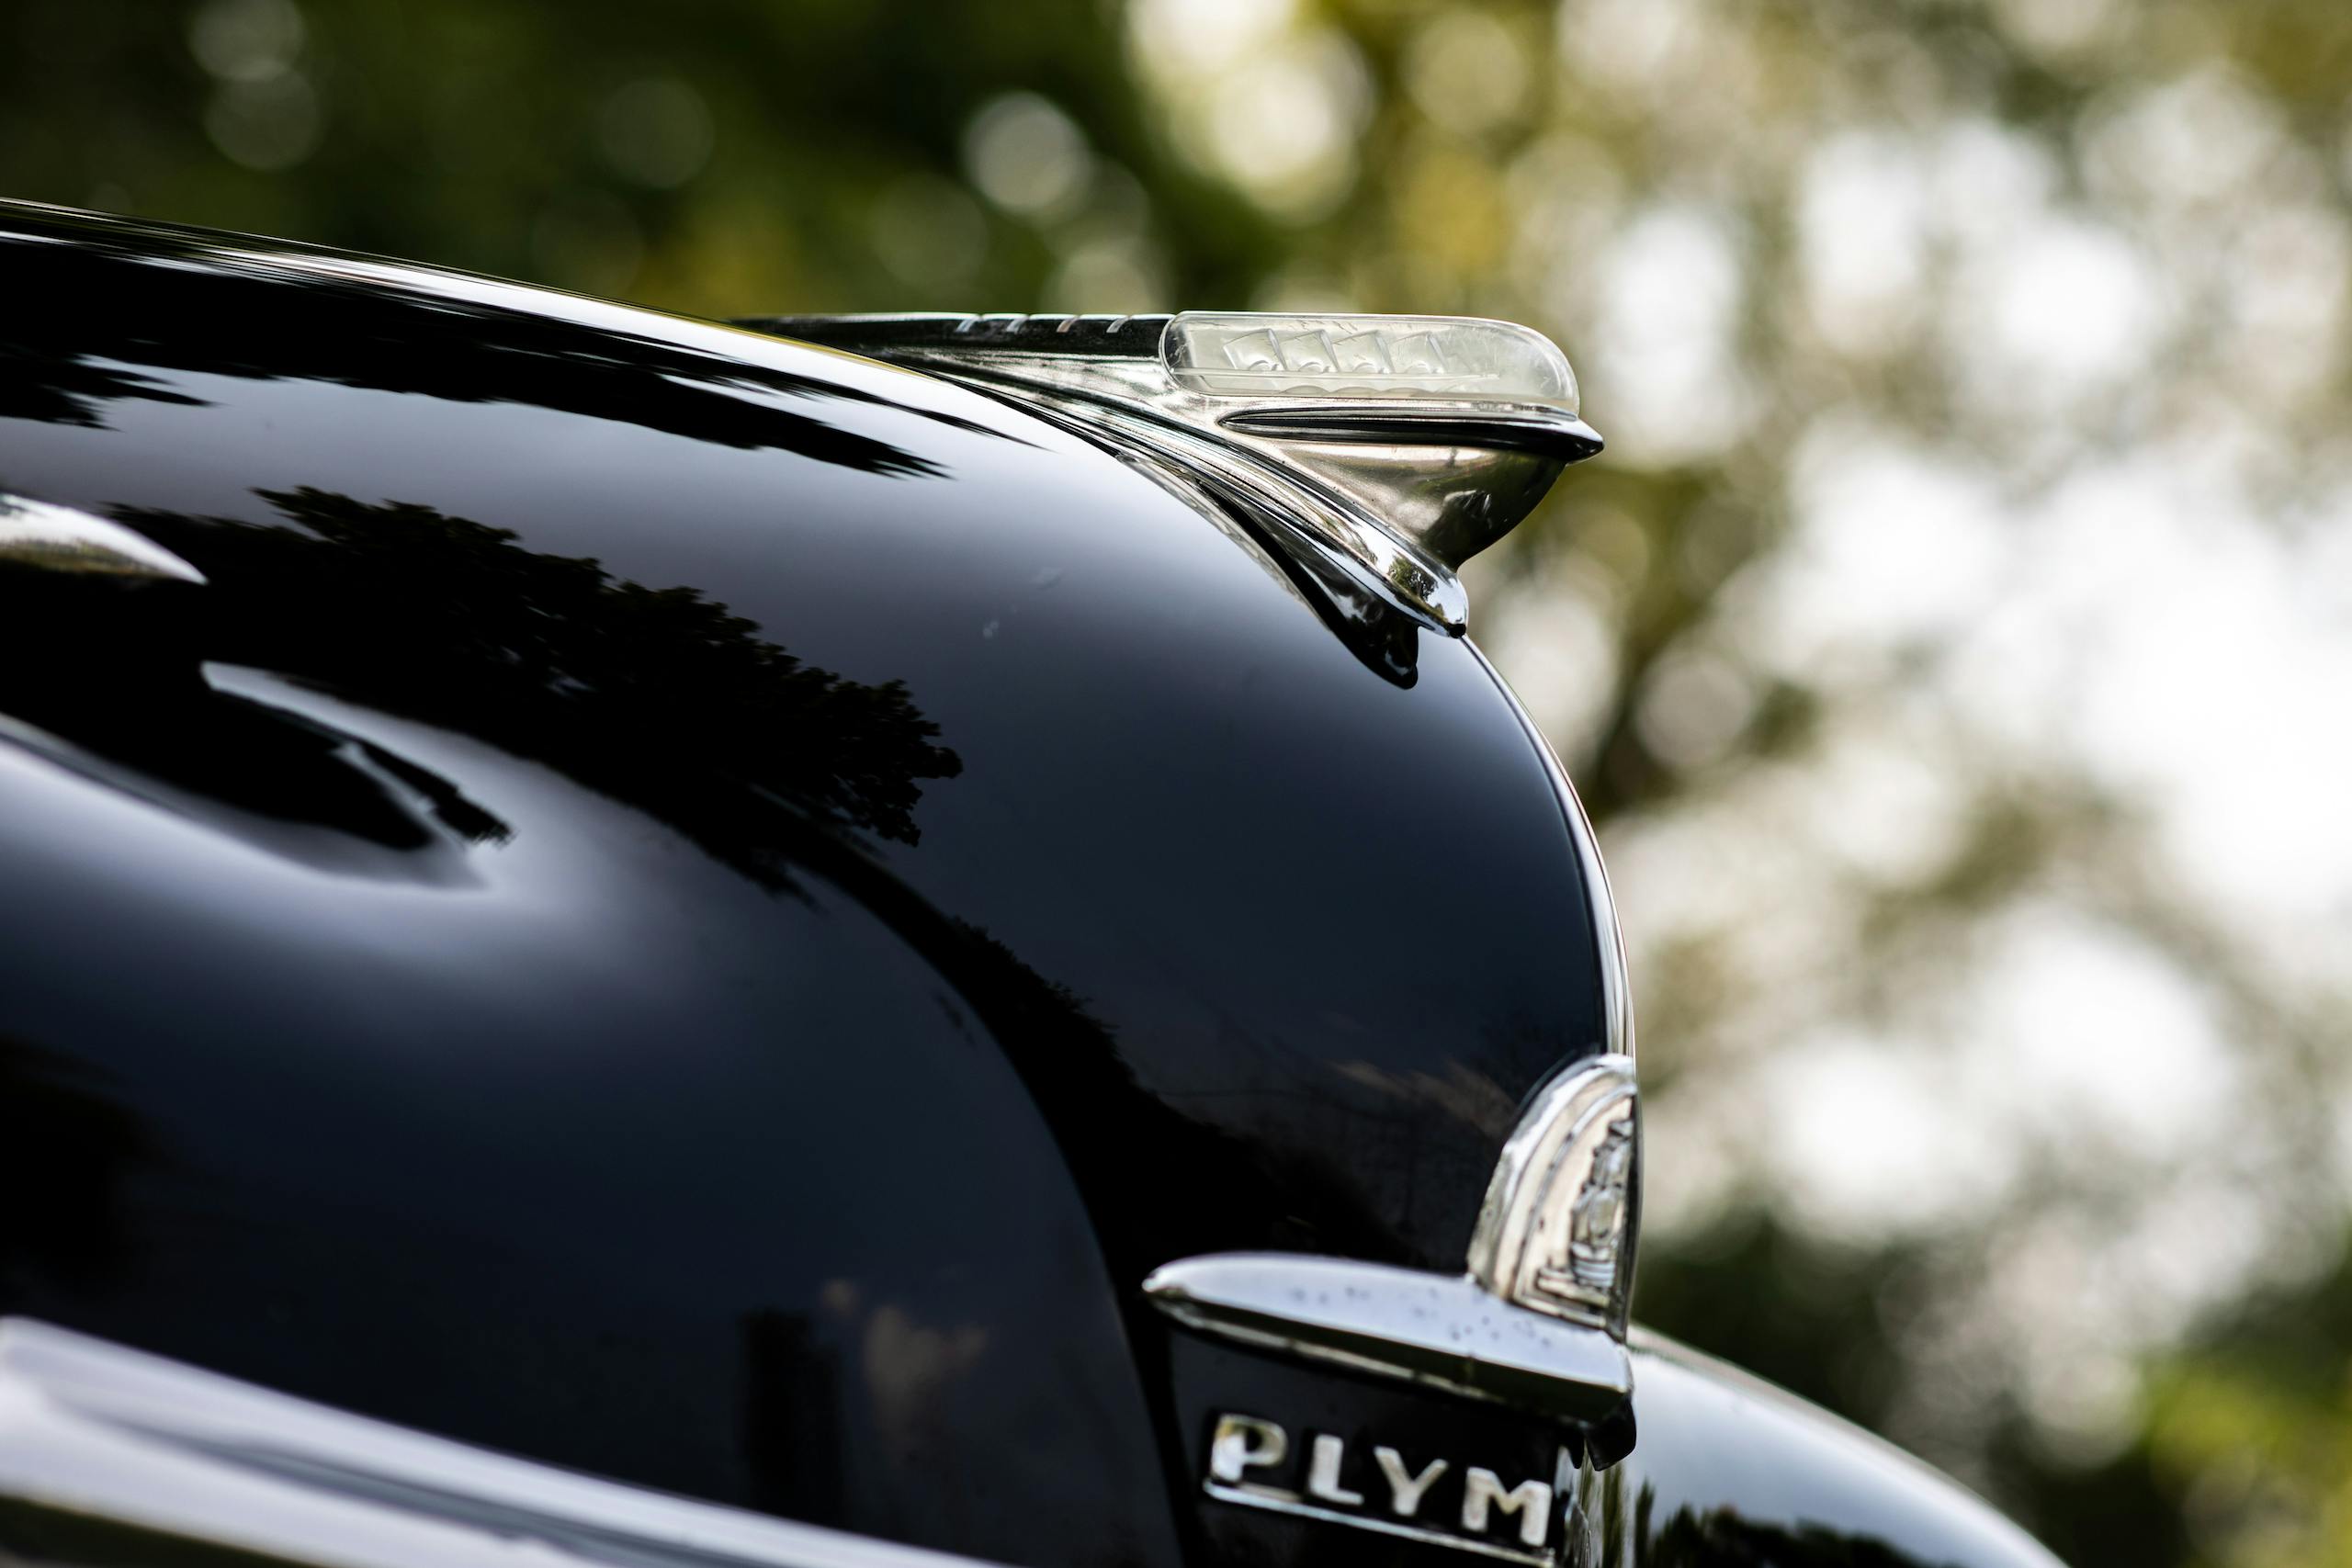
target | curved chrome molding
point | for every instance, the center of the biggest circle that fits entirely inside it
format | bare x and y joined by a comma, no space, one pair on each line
44,537
1616,976
1446,1331
1401,483
110,1455
1547,432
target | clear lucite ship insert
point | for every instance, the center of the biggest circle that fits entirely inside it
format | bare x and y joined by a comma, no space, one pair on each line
1450,358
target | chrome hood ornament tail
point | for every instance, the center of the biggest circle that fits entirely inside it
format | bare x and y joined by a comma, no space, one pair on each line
1538,1319
1400,446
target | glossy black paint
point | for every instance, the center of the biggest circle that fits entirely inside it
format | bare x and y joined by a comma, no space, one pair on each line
700,910
1730,1470
1727,1471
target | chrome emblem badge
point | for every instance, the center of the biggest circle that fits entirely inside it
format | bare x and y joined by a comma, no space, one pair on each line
1421,1497
1535,1321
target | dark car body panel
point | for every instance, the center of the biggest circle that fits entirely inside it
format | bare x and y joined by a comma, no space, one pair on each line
701,909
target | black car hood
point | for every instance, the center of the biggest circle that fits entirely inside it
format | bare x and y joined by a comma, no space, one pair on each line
636,800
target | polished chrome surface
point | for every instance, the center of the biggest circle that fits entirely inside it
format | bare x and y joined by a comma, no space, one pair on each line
1400,446
1553,1232
1522,1514
47,537
109,1449
1445,1331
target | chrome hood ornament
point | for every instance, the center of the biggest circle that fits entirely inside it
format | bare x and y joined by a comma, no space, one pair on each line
1398,446
1537,1320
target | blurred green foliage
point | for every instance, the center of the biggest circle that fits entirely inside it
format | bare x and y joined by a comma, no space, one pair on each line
722,155
1974,268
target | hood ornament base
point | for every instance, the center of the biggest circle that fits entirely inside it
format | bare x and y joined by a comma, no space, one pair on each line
1399,446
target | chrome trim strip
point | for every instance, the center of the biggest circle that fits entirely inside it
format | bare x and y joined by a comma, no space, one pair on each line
1445,1331
1281,1501
44,537
1546,432
94,1437
1616,982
